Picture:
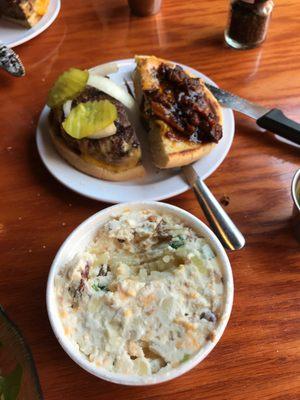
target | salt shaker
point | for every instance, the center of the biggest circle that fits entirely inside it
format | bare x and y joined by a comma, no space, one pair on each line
248,23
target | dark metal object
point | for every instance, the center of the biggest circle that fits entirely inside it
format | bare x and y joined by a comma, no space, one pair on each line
10,61
271,119
16,355
221,224
296,200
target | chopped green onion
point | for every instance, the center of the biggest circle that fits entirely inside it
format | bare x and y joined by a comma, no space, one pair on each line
97,287
177,242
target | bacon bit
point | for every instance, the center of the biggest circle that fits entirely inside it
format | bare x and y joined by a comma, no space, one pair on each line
225,200
81,286
209,316
211,337
85,272
84,277
152,218
104,269
161,232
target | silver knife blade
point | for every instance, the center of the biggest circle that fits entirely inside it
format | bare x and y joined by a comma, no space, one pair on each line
229,100
10,61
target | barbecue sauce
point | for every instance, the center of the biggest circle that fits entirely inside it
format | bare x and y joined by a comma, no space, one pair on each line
181,102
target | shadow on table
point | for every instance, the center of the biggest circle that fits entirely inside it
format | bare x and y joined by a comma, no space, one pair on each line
211,40
6,80
54,188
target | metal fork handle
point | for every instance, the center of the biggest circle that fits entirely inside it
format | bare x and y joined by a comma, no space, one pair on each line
220,222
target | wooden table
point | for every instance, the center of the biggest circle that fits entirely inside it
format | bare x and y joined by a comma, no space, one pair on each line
259,355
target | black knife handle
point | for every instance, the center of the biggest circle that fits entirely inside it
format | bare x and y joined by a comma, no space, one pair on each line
276,122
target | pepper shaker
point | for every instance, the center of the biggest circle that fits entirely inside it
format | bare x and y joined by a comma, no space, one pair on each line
248,23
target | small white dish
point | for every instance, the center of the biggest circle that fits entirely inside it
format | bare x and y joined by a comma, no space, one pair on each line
78,241
156,185
13,35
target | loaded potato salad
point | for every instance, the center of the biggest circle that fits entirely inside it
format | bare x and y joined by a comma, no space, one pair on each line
145,295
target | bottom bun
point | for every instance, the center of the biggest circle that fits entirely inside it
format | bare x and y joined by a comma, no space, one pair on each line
93,167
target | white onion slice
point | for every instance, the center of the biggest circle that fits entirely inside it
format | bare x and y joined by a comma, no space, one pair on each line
104,69
105,132
67,107
112,89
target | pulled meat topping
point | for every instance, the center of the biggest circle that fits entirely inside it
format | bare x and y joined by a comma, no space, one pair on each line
181,102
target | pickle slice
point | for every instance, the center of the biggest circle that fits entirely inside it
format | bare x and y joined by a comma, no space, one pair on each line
86,119
68,85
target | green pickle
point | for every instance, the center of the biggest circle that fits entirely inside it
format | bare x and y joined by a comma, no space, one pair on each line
89,118
68,85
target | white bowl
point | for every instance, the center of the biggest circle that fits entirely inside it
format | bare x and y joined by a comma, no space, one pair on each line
80,238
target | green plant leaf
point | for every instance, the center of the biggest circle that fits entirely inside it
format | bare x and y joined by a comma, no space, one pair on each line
10,385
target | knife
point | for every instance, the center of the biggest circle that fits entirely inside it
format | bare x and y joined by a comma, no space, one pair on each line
219,221
271,119
10,61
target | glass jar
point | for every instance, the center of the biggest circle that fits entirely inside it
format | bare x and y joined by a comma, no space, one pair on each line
248,23
144,8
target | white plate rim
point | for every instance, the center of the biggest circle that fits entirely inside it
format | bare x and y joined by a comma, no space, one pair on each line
41,26
181,187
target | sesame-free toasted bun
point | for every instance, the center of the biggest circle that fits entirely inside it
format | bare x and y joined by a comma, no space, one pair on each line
168,153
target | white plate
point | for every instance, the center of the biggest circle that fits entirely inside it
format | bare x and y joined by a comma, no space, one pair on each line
12,34
156,185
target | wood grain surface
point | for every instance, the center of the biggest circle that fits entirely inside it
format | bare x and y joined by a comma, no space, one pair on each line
258,356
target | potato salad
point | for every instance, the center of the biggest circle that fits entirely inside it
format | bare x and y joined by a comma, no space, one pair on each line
144,296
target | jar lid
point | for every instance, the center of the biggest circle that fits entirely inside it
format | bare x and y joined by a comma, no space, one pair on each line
254,1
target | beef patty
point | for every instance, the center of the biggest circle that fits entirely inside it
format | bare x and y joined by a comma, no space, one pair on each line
116,149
